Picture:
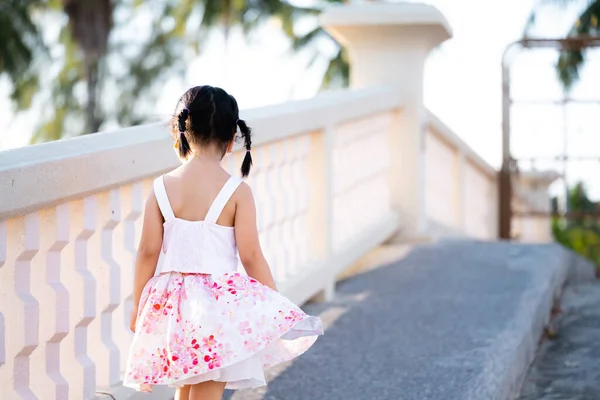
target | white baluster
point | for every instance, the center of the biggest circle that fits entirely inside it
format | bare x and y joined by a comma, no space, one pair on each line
280,201
258,184
2,243
2,325
61,311
125,240
290,201
18,307
76,364
106,271
305,250
292,195
268,209
47,380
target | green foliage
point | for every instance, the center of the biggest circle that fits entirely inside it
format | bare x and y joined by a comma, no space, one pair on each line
95,53
338,69
570,62
20,42
580,232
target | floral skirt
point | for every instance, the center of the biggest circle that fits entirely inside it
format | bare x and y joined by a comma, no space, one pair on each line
193,328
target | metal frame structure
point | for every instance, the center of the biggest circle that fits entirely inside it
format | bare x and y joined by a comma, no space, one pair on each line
508,163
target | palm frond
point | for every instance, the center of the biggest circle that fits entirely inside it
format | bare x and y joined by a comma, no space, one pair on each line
570,62
338,72
308,39
20,44
64,108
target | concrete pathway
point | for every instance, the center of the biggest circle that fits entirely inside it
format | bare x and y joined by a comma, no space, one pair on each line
451,321
568,367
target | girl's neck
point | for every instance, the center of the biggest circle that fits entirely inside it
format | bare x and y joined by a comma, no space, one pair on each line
205,155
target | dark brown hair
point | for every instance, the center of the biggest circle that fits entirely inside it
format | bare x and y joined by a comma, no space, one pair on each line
208,116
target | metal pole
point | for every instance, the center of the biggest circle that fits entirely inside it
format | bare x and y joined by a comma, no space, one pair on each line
505,189
565,130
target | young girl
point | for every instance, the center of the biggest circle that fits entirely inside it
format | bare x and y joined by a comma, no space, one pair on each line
200,325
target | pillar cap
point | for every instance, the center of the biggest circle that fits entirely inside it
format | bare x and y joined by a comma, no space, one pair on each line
406,15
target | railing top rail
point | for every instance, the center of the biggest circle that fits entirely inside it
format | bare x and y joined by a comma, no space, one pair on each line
449,136
40,176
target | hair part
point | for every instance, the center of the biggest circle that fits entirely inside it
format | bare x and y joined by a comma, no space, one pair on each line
209,116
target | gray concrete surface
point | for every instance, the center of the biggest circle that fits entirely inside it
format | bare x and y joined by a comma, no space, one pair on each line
450,321
568,367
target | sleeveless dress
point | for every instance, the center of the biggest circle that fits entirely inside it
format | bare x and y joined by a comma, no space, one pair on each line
199,319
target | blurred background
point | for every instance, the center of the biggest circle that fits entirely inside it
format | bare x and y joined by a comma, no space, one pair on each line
72,67
67,69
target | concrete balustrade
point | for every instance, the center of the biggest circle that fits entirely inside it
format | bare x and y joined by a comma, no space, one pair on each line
461,188
71,219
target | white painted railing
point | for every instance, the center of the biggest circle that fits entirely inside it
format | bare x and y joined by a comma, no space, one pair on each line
461,188
70,219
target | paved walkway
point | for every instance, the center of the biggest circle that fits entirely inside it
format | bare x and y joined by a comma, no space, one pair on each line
447,322
568,368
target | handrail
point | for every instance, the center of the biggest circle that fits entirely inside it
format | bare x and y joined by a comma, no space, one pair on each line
40,176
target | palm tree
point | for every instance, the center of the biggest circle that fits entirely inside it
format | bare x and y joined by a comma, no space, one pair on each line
338,69
580,231
570,62
95,53
84,41
20,40
190,21
90,22
174,32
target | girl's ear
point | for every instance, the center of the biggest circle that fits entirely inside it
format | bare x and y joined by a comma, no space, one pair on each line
230,146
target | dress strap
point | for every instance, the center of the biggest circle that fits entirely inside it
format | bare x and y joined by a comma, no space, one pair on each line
222,198
163,200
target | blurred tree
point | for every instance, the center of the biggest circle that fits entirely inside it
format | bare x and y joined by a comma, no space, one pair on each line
97,52
570,62
20,40
248,14
338,69
90,23
84,41
580,231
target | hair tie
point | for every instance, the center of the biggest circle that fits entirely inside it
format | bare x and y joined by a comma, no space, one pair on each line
186,109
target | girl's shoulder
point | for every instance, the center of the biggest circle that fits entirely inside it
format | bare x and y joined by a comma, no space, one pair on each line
243,195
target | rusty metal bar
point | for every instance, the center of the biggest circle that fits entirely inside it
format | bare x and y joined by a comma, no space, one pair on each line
536,102
560,158
567,215
570,43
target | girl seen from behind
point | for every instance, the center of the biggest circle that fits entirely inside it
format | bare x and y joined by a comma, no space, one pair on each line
200,325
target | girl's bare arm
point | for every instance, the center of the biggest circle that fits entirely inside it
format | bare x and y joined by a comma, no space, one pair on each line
246,236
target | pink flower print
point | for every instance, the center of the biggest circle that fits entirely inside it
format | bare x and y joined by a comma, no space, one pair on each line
213,360
193,346
209,342
244,327
252,345
217,290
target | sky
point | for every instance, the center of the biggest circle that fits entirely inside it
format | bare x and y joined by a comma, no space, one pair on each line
462,83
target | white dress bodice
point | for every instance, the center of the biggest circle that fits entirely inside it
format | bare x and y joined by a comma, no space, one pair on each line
197,247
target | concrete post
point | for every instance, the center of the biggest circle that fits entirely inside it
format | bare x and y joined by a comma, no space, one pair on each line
388,44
